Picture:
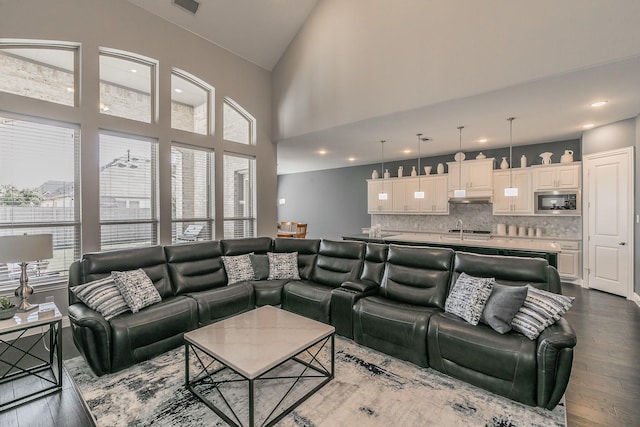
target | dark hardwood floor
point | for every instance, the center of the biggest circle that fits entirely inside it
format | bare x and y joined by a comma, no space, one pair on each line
604,389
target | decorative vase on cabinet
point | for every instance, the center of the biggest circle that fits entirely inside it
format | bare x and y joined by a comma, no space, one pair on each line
504,164
387,175
523,161
400,170
375,175
440,169
413,171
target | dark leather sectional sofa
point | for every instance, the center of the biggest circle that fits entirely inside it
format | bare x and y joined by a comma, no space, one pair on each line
388,297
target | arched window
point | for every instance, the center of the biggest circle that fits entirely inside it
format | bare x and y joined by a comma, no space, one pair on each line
239,125
190,103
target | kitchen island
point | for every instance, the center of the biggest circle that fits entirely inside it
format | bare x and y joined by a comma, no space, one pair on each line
494,245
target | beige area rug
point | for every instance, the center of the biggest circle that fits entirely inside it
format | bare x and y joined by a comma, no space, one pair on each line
369,389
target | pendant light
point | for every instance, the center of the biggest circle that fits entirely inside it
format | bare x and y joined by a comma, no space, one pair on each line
419,194
511,191
383,195
460,192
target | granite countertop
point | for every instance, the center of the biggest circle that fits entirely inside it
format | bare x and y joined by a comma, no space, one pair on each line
501,242
453,239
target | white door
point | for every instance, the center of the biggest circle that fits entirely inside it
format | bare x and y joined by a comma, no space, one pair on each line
609,204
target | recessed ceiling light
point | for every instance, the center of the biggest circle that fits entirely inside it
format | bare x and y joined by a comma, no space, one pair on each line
323,152
70,89
133,70
177,90
599,103
407,151
588,125
352,159
482,140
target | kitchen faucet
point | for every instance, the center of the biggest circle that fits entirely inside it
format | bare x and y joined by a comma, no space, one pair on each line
459,223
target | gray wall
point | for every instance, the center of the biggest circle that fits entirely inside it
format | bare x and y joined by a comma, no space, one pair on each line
334,202
625,133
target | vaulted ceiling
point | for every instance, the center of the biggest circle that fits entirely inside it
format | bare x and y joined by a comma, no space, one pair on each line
348,73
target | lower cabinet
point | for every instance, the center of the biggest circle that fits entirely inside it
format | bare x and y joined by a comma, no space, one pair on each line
569,260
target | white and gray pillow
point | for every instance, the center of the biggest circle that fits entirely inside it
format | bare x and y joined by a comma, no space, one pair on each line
283,265
238,268
136,289
502,305
468,297
540,310
103,296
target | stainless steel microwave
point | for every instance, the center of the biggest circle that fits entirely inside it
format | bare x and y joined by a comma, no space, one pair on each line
558,202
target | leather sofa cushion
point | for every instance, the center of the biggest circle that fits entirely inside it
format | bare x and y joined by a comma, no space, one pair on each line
220,303
307,298
503,364
417,275
375,257
307,253
257,245
393,328
338,262
507,270
151,259
268,292
195,267
151,331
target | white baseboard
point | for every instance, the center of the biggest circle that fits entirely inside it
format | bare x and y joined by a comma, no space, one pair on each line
636,299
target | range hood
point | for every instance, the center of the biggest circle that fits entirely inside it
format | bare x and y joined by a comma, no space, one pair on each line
479,199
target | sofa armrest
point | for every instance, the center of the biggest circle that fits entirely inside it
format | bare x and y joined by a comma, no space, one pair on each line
92,336
361,285
342,301
554,357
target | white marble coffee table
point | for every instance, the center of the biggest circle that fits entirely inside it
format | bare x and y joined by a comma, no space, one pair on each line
254,345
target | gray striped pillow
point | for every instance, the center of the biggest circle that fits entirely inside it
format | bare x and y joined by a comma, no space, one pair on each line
103,296
540,310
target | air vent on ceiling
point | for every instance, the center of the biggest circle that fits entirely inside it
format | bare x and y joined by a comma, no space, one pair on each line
190,5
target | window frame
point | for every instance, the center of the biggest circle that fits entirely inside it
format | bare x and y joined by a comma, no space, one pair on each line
244,113
210,91
211,191
252,190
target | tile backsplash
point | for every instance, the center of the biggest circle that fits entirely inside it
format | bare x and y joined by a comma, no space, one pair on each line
480,217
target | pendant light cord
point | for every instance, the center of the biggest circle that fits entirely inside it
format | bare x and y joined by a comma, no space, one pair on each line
511,119
460,156
419,135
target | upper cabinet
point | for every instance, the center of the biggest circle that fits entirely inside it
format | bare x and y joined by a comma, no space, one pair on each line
398,195
556,177
522,204
475,176
379,195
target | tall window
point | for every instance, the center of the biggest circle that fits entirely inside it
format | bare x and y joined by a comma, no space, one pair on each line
239,125
190,100
239,196
41,72
39,192
128,191
191,194
127,86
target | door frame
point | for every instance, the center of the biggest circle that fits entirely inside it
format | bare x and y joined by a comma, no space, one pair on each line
587,159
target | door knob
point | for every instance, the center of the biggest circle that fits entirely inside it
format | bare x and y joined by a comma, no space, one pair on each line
622,243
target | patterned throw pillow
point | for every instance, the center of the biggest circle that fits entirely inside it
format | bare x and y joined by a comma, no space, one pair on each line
468,297
103,296
502,305
238,268
283,265
540,310
136,288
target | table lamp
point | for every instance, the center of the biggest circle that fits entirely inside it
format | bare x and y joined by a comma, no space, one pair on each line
22,249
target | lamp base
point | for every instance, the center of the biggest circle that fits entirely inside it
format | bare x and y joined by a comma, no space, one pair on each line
25,307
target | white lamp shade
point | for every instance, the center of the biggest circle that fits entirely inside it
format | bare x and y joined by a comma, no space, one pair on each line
383,196
511,192
460,193
418,195
25,248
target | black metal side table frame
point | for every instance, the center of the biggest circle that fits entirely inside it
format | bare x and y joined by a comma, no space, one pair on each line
207,375
16,371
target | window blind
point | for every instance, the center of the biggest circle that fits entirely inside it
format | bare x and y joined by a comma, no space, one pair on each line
39,192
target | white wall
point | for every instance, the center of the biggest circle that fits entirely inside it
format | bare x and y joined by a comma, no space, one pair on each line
359,59
118,24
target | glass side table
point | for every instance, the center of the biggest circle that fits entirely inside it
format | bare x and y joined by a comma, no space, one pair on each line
24,369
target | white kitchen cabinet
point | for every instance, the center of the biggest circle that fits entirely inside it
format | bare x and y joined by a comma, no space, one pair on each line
436,199
476,176
522,204
403,190
569,260
374,188
556,177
